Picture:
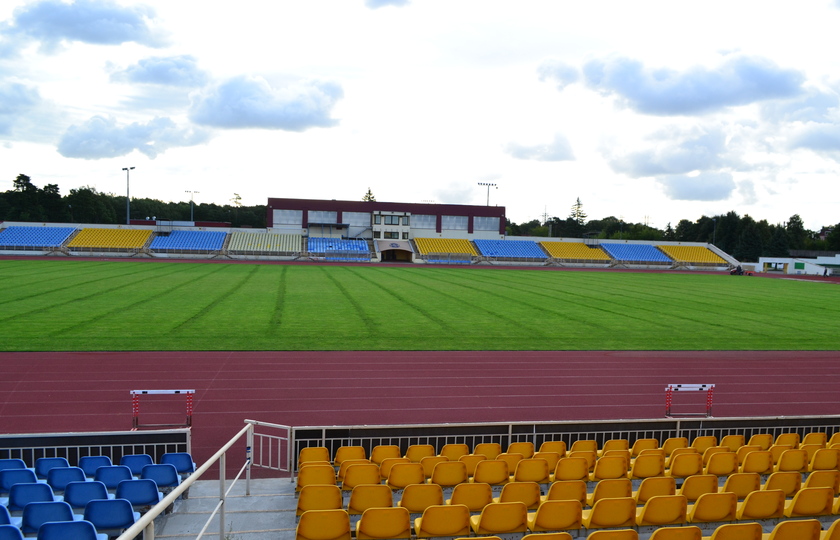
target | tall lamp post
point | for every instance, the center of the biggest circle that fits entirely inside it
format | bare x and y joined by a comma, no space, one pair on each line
714,232
488,189
192,193
127,200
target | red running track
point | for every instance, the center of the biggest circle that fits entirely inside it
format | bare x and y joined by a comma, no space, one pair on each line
59,392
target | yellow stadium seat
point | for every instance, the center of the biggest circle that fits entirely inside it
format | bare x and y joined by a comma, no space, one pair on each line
571,468
501,518
315,474
323,525
526,448
472,461
662,510
358,474
791,439
416,452
611,513
556,516
584,445
824,479
402,475
383,451
722,464
788,482
643,444
380,523
825,459
342,470
647,466
650,487
684,465
623,534
616,488
428,463
566,490
349,452
815,437
550,457
713,507
449,474
677,533
833,532
742,484
443,520
614,444
764,440
454,451
698,484
759,461
473,496
319,497
673,443
490,450
554,446
762,504
810,502
313,453
417,497
736,531
532,470
807,529
492,471
366,496
388,463
702,442
527,493
733,442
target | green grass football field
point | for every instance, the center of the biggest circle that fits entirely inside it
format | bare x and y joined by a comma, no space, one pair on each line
90,305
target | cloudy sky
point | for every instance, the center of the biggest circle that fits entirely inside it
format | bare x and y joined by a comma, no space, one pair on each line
647,110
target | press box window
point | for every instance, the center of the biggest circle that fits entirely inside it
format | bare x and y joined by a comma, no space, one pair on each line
392,235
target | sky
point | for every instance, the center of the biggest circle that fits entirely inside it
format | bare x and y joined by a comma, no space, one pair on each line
650,111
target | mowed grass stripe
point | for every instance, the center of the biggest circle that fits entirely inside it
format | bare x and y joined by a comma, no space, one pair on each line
101,305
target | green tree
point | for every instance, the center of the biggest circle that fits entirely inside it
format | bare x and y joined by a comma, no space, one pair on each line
796,232
832,239
24,183
577,213
369,196
778,246
669,233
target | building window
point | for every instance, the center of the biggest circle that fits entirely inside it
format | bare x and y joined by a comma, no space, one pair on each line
392,220
405,221
425,221
377,219
322,216
376,234
486,223
392,235
405,235
288,217
456,223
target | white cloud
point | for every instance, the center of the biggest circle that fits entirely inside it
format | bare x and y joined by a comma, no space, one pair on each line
179,71
102,137
16,101
813,106
706,186
376,4
676,151
455,194
100,22
738,80
250,102
558,150
561,73
747,190
821,138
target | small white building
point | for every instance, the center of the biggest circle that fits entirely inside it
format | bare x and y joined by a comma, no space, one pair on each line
798,266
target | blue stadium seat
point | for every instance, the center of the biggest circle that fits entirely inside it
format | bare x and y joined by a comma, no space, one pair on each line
136,462
22,494
59,477
78,494
12,464
34,237
5,518
641,253
190,241
44,464
9,477
142,493
512,249
182,461
164,475
111,516
89,464
62,530
324,245
36,514
113,475
10,532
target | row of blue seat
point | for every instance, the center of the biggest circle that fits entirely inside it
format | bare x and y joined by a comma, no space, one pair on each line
17,236
190,241
322,245
106,516
635,253
518,249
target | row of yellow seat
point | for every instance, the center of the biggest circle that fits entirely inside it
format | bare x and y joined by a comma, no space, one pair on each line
452,521
110,238
759,501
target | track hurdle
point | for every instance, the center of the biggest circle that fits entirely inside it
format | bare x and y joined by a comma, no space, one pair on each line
672,388
135,408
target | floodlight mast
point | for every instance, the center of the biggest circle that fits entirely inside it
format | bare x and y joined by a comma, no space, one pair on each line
127,199
192,193
488,189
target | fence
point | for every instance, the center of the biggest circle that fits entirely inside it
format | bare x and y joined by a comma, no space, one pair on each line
447,258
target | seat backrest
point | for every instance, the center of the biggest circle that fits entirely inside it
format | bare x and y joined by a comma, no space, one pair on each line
418,497
531,470
342,469
824,459
318,497
567,490
526,448
89,464
62,530
791,439
404,474
554,446
449,473
183,461
358,474
474,496
5,518
471,461
454,450
430,462
22,494
36,514
612,513
623,534
648,465
492,471
78,494
673,443
344,453
11,463
702,442
589,455
44,464
722,463
658,485
366,496
698,484
314,453
764,440
742,484
416,452
789,482
392,522
110,514
639,445
811,502
388,464
550,457
685,465
10,477
525,492
738,531
833,532
136,462
444,520
10,532
733,442
164,474
503,517
615,444
141,492
557,516
512,460
746,449
714,507
677,533
793,460
490,450
113,475
663,510
806,529
769,504
323,525
815,437
571,468
383,451
612,488
58,477
824,479
610,467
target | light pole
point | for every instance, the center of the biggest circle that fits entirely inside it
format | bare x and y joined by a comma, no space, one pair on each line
714,233
127,200
488,190
191,202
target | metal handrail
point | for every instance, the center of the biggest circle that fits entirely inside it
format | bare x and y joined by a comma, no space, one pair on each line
146,523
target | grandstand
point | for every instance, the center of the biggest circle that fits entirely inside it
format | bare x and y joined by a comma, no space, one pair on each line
510,249
692,255
635,253
189,241
575,252
93,239
446,250
267,243
33,238
336,249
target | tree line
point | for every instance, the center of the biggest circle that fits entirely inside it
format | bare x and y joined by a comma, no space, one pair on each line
28,202
741,236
